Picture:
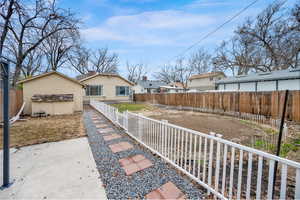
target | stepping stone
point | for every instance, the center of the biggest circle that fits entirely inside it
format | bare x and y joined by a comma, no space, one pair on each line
134,164
101,126
111,137
166,191
106,130
98,121
121,146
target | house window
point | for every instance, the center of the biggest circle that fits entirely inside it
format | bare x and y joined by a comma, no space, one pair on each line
211,78
94,90
122,90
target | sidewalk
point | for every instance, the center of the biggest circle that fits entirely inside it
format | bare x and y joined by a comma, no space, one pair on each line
54,170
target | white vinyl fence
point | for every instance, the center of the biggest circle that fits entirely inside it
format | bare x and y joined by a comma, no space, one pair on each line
226,169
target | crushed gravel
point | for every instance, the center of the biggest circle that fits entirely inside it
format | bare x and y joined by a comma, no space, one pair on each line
114,179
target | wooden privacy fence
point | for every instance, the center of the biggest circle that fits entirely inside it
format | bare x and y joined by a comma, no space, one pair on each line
266,104
15,101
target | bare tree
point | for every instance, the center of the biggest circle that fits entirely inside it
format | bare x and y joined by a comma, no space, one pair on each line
32,24
57,46
7,8
200,62
103,62
269,42
180,71
78,58
237,56
135,72
33,63
166,74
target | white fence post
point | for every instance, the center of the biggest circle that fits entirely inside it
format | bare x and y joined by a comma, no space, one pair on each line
163,135
140,126
124,120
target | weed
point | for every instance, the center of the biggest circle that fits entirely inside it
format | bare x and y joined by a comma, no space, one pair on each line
248,123
270,131
262,144
286,148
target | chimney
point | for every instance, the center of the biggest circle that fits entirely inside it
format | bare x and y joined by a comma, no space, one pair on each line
90,73
144,78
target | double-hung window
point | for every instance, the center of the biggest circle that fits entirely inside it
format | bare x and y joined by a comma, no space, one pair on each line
94,90
122,91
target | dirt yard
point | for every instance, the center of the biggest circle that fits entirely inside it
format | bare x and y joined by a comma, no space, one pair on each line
45,129
231,129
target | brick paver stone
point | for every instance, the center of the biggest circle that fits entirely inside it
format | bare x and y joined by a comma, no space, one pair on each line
166,191
106,130
121,146
134,164
111,137
101,126
96,121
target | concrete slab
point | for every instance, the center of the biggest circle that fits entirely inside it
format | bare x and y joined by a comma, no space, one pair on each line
57,170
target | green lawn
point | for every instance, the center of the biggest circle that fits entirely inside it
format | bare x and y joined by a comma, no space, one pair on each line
131,106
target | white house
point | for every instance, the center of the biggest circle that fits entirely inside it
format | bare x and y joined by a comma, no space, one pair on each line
147,86
267,81
173,87
207,81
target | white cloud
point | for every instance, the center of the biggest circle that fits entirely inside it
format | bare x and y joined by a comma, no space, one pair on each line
161,19
207,3
139,1
149,28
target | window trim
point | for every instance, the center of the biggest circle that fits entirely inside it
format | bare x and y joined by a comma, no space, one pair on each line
88,93
120,95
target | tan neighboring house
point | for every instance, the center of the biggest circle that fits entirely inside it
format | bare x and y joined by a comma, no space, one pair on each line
52,93
107,87
207,81
173,87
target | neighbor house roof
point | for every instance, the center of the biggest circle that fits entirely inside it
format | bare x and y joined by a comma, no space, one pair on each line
265,76
206,75
177,84
48,74
109,75
148,84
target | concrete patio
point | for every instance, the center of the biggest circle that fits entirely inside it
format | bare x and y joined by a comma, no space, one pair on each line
65,170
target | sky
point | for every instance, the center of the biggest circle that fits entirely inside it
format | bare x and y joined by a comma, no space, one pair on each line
153,32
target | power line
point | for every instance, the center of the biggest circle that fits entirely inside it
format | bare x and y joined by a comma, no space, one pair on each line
216,29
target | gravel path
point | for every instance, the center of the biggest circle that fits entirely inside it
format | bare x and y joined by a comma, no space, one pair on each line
114,179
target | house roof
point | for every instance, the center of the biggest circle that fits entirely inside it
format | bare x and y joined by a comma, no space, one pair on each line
266,76
48,74
148,84
177,84
206,75
109,75
171,87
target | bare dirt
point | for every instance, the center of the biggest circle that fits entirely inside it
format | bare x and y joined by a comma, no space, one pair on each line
46,129
232,129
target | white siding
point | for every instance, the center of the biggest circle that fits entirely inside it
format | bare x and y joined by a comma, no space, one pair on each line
221,87
266,86
289,84
232,86
247,86
138,89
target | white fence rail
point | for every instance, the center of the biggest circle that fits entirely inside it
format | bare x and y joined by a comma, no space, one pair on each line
226,169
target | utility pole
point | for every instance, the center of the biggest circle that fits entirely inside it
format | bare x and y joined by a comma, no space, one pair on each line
5,78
